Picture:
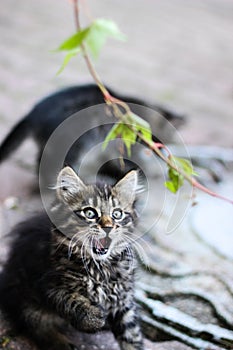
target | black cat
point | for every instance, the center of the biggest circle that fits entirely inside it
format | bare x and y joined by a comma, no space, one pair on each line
54,110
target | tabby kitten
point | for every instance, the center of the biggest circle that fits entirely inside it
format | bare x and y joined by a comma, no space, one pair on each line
76,267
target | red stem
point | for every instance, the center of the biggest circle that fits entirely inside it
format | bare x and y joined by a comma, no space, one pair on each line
111,100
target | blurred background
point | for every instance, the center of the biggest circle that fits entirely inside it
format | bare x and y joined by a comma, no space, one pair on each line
178,53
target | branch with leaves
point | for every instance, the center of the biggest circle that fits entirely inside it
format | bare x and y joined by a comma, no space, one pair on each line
130,127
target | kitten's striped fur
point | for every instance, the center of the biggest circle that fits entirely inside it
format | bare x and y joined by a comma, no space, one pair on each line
78,269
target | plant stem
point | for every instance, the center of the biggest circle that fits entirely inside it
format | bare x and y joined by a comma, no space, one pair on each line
190,179
114,103
90,66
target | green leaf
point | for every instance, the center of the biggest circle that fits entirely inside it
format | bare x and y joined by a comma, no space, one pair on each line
128,131
129,138
74,41
110,28
170,186
184,164
135,119
142,126
176,180
127,135
67,59
94,36
99,31
113,134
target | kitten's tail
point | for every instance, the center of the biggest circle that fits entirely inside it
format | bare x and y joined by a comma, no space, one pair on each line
15,137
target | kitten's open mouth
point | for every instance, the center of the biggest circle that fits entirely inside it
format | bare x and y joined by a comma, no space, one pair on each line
101,246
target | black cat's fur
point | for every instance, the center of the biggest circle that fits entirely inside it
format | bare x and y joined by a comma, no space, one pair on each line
50,112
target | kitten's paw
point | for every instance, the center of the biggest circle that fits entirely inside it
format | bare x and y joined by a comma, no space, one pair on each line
94,320
127,346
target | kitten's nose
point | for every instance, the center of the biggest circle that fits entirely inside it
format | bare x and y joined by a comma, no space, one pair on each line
107,229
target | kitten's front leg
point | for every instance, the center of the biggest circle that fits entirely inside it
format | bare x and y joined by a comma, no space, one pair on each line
78,310
126,329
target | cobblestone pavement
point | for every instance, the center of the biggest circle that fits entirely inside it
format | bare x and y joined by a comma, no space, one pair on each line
178,52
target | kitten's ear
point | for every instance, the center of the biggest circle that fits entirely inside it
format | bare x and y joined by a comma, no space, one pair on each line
68,183
126,188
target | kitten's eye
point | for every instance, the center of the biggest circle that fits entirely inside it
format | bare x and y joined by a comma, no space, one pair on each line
90,213
117,214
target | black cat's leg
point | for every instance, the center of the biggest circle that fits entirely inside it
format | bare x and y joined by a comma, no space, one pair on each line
125,326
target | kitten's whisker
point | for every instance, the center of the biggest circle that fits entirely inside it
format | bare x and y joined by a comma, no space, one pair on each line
124,244
139,249
141,253
73,242
58,246
84,253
